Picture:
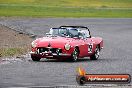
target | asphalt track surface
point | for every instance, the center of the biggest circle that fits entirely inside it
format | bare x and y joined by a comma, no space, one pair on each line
116,57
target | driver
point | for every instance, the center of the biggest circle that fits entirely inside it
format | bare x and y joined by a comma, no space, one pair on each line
73,33
63,32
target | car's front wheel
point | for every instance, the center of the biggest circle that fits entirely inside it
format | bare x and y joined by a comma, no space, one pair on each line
35,58
75,54
96,54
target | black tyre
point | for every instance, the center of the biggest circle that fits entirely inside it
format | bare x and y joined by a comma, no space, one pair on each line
96,54
75,54
34,58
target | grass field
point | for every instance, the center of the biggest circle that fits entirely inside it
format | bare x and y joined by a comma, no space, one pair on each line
67,8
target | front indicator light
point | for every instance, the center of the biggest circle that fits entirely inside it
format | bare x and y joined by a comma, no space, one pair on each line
33,44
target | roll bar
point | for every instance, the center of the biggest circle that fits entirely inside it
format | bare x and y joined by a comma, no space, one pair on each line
74,27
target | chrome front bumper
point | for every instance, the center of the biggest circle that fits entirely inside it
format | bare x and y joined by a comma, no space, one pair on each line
49,54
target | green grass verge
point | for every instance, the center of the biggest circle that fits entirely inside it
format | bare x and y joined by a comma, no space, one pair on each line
67,8
44,11
74,3
11,51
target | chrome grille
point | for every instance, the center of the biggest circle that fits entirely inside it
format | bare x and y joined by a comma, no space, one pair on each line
52,50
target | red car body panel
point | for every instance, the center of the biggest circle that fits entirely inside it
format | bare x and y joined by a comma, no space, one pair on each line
62,46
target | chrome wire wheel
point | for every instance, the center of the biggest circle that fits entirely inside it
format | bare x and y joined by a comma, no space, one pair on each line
97,53
75,54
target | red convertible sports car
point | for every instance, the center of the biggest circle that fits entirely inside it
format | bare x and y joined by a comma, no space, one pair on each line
69,42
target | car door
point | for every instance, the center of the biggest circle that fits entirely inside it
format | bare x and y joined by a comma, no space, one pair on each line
83,48
84,45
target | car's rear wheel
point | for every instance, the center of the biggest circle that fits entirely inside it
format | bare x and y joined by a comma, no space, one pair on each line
75,54
96,54
35,58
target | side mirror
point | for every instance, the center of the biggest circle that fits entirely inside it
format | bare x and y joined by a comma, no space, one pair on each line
76,37
90,36
48,34
81,37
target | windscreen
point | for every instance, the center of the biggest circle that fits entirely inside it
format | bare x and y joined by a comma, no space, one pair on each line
64,32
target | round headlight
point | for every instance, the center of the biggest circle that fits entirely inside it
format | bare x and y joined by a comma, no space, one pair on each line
67,47
33,44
